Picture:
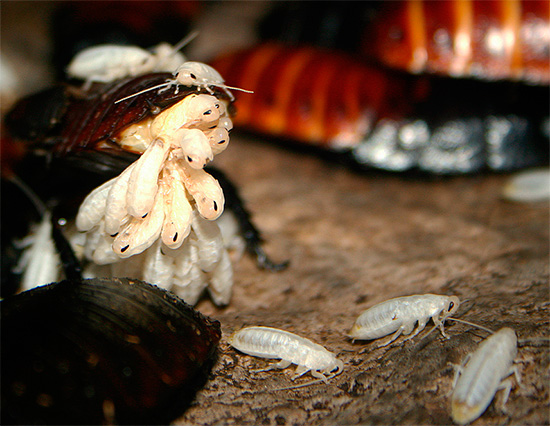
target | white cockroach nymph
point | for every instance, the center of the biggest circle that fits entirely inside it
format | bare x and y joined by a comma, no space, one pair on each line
192,73
155,220
483,374
40,258
205,190
201,75
267,342
196,147
528,186
400,315
177,219
108,62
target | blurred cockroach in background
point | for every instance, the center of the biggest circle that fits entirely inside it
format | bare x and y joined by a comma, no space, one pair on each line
481,102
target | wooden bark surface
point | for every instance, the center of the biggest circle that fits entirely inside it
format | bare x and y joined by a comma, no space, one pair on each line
358,239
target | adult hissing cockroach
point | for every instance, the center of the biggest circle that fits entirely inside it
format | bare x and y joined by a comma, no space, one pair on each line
499,39
142,221
384,119
394,121
315,96
508,39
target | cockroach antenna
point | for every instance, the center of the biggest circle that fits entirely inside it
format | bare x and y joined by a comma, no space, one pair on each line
185,41
488,330
239,89
158,86
29,192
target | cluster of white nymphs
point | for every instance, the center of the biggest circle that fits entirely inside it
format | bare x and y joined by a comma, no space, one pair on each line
155,220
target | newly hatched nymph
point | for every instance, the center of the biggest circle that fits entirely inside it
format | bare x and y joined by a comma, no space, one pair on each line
193,73
484,375
108,62
399,316
267,342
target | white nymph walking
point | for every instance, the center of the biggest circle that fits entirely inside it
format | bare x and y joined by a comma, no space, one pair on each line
399,316
267,342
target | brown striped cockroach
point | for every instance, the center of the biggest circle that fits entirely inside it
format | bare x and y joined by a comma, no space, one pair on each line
311,95
507,39
375,105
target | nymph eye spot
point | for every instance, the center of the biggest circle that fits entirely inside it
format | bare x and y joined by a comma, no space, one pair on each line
193,76
144,216
215,206
451,305
189,159
123,249
221,142
175,238
207,112
114,235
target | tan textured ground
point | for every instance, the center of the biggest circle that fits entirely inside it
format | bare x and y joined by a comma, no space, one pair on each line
355,240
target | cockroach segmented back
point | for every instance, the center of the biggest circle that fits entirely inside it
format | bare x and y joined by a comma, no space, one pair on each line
311,95
387,119
508,39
